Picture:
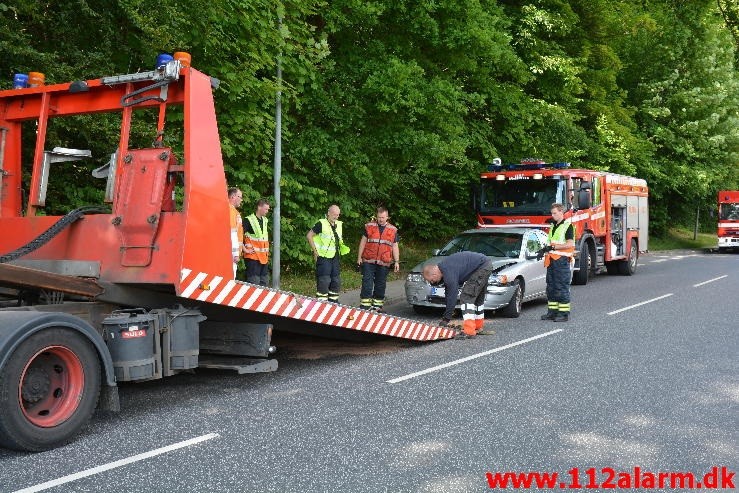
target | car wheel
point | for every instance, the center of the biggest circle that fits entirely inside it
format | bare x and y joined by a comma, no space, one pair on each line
423,310
513,308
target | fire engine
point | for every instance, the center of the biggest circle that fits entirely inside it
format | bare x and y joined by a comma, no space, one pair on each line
139,286
609,212
728,220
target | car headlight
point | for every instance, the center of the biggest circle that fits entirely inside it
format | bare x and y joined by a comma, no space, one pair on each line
414,277
498,280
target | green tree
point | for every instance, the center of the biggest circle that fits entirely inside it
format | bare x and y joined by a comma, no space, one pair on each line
687,92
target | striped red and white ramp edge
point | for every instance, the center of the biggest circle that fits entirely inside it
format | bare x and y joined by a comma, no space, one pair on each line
227,292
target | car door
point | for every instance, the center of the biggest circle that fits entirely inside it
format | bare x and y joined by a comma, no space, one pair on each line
536,273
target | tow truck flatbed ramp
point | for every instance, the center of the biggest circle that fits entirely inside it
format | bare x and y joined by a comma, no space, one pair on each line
270,302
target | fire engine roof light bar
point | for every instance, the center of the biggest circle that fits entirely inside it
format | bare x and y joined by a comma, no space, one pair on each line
495,165
560,165
525,164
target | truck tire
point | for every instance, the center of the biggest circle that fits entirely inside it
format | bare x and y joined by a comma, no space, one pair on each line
628,267
49,388
513,308
580,276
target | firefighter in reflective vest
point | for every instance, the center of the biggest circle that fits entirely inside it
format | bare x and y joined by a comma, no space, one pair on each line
378,251
256,245
326,241
237,229
557,258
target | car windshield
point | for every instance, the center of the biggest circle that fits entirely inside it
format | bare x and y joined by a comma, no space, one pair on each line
492,244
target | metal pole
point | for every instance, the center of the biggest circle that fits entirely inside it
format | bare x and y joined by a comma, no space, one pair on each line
697,217
277,176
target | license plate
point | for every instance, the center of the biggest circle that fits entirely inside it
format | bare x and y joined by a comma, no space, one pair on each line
438,291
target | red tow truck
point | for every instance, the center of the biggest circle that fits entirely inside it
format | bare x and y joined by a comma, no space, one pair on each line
139,286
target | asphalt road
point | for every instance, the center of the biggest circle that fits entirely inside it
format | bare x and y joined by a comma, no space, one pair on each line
645,374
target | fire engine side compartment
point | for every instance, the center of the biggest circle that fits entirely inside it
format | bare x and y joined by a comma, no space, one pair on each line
636,219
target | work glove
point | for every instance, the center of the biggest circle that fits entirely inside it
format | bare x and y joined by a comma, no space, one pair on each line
540,253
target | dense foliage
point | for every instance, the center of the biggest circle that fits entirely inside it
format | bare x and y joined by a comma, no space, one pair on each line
403,102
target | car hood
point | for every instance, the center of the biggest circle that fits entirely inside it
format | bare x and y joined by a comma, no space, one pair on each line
499,263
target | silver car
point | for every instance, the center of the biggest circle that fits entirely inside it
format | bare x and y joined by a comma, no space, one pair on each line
517,275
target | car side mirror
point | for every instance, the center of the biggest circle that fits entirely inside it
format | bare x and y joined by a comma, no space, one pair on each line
435,252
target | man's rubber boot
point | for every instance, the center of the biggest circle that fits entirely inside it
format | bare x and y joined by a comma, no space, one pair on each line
550,315
562,317
468,328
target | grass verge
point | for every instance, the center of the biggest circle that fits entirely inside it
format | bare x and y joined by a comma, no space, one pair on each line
678,238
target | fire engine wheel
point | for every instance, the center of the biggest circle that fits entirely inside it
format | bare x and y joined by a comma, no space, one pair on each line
48,390
628,267
513,308
580,276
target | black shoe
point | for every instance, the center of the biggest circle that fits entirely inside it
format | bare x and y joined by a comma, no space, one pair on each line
549,315
561,317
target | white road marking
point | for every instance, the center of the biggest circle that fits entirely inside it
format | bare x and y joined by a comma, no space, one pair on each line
113,465
469,358
639,304
710,280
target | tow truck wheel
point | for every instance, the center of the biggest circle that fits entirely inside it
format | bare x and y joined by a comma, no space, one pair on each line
48,390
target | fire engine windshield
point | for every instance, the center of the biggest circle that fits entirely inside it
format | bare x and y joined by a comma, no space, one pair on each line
729,212
524,196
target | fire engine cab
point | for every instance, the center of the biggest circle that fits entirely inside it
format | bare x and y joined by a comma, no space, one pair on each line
728,219
609,212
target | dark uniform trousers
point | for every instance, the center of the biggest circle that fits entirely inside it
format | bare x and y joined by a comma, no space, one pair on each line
558,284
328,281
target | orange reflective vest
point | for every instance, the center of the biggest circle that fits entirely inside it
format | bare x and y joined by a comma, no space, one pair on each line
379,247
237,230
257,239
